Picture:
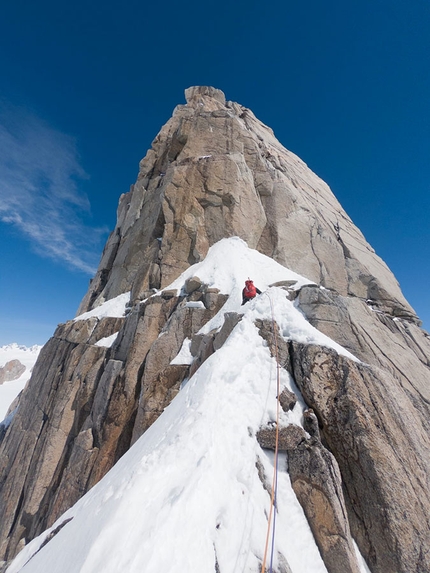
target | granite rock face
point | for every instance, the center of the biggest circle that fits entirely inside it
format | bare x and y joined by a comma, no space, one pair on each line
216,171
317,483
212,169
374,417
380,439
398,346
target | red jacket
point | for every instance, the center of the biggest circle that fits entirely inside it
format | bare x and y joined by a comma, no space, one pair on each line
249,292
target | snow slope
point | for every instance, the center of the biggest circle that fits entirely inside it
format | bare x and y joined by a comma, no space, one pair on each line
188,495
10,390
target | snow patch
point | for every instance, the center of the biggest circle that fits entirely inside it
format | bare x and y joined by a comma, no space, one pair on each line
107,341
115,307
184,356
195,304
230,262
8,420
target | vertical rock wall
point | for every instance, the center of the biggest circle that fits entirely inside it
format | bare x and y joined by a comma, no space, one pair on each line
381,442
215,171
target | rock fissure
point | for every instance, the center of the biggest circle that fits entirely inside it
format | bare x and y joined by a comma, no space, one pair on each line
321,274
388,358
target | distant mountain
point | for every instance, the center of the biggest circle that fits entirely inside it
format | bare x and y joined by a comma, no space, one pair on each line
11,385
170,428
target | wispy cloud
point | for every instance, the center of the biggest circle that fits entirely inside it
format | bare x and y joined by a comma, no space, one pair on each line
40,175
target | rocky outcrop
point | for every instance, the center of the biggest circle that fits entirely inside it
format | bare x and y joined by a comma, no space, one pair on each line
368,413
317,483
373,426
398,347
160,380
86,404
289,437
11,371
278,347
63,377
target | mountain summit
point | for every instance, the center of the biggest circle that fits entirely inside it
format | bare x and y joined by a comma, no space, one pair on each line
175,405
216,171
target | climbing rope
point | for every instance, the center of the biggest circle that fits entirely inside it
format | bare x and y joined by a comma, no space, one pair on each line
273,500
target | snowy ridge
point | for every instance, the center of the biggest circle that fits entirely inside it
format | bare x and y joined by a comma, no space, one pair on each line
188,494
228,264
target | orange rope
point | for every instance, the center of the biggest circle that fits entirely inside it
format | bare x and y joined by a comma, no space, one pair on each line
275,468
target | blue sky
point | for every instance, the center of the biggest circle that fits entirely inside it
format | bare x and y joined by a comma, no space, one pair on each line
86,86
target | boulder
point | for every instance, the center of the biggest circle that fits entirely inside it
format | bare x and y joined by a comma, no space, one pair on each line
192,284
285,283
169,293
231,319
289,437
278,347
203,347
287,399
212,298
11,371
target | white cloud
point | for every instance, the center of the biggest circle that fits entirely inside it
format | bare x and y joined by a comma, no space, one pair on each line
39,190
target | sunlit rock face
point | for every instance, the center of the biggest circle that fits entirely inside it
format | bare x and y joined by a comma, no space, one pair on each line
215,171
372,421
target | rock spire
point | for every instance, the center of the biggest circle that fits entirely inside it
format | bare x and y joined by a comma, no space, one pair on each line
215,171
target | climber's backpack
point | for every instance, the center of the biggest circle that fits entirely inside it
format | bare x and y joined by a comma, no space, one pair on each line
250,290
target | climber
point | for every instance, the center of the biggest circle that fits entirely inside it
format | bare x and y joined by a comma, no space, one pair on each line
250,291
